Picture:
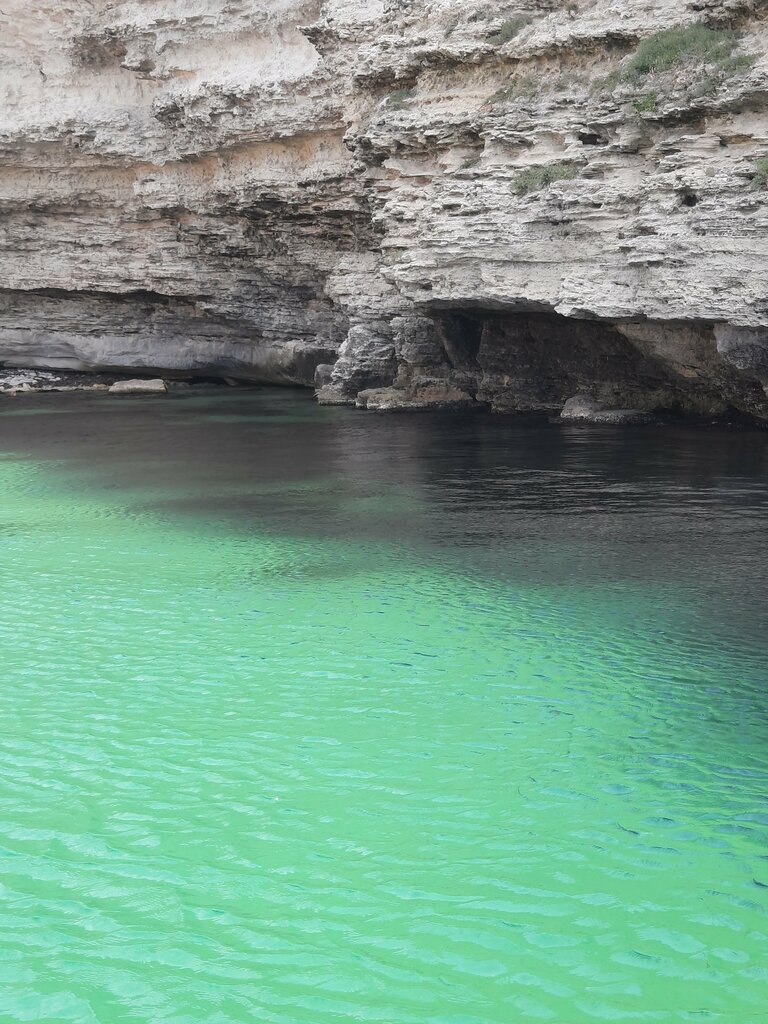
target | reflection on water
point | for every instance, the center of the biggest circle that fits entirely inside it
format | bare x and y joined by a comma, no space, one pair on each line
314,715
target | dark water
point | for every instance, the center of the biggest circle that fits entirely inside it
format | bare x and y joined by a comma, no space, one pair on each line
314,715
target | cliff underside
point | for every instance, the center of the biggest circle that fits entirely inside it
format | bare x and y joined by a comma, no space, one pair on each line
403,204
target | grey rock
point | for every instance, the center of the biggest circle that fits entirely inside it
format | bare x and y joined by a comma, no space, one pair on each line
323,374
330,395
745,348
583,409
366,360
580,407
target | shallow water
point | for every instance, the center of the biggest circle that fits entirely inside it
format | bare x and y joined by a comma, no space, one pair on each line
313,715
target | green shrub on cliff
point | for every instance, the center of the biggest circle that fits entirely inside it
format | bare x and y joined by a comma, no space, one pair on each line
705,56
675,46
534,179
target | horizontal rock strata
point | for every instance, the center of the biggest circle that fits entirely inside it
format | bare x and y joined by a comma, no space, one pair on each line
436,204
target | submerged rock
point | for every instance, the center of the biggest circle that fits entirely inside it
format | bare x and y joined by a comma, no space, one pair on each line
139,387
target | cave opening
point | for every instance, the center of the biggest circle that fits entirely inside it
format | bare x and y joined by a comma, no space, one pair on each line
534,361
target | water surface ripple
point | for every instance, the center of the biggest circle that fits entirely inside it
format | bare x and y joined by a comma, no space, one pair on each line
316,716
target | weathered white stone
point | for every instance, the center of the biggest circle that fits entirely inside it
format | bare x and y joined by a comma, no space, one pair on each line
139,387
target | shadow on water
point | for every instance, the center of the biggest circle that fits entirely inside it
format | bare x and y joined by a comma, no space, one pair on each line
506,492
520,501
500,497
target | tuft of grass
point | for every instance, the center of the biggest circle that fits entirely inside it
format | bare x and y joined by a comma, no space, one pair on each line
397,100
509,30
666,50
760,179
534,179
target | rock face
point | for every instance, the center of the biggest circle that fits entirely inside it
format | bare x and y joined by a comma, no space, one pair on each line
406,204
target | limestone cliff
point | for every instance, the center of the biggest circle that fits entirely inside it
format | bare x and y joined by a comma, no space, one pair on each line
407,203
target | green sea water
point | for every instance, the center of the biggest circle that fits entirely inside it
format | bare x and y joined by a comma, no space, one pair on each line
312,716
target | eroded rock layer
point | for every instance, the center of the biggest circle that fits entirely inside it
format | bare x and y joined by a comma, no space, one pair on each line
407,204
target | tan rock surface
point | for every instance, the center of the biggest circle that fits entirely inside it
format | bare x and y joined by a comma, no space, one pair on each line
484,198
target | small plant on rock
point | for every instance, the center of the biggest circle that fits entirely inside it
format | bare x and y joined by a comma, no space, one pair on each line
760,180
647,103
534,179
509,30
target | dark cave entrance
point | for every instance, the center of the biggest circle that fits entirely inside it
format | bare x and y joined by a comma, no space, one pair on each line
535,361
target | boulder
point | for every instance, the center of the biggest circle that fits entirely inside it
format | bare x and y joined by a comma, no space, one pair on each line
583,409
330,394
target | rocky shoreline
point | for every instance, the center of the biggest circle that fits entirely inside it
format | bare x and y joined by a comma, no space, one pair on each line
581,409
26,381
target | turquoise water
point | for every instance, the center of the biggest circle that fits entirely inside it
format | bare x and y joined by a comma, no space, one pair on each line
313,715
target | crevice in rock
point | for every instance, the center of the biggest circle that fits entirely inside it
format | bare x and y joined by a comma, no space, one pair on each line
461,335
143,296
